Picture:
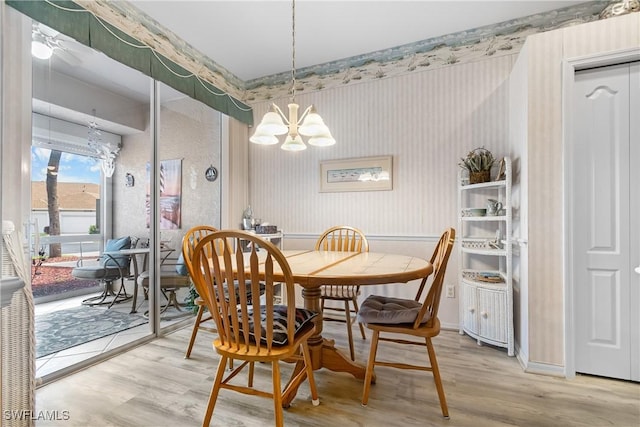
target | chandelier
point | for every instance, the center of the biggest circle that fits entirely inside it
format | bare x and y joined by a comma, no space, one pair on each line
104,151
309,124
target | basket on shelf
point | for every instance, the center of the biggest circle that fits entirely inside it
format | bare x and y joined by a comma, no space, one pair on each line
478,163
476,244
478,177
483,276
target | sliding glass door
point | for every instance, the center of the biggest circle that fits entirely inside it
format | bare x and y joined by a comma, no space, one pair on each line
91,149
114,156
189,193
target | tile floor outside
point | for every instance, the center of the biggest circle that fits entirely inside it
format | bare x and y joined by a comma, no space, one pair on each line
50,364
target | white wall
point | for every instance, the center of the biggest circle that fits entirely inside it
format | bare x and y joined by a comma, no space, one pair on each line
71,221
426,121
16,117
189,130
518,137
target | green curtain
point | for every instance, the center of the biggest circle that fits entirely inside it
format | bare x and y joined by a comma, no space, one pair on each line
86,29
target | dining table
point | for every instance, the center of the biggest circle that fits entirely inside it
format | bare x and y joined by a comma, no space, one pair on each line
311,269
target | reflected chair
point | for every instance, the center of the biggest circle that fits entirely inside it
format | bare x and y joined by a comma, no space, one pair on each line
110,267
342,238
173,276
249,331
409,317
191,238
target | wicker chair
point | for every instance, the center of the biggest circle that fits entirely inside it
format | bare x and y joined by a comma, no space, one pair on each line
409,317
342,238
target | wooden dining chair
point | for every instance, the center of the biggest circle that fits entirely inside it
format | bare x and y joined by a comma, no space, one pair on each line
409,317
248,330
342,238
191,238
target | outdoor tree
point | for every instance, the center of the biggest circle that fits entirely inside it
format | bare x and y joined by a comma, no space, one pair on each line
53,206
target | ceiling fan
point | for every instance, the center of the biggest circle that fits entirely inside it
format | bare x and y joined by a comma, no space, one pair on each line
46,42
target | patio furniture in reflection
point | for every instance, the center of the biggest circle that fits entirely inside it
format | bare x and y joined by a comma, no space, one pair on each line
108,269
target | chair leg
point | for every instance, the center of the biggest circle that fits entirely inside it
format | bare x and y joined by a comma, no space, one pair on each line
194,332
277,393
436,378
347,313
309,368
120,297
370,365
135,296
214,392
355,305
251,370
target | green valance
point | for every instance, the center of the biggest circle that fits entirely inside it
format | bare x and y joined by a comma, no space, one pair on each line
66,17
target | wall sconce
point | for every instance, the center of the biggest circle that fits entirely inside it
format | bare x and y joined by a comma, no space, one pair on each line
129,180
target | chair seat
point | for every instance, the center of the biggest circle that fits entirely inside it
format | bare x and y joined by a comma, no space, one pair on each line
388,310
339,292
167,280
251,352
96,272
302,318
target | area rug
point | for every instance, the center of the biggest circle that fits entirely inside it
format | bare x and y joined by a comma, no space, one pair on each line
67,328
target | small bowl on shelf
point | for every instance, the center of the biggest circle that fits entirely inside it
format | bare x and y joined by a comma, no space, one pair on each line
474,212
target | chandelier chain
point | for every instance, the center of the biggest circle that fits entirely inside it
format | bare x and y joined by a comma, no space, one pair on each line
293,50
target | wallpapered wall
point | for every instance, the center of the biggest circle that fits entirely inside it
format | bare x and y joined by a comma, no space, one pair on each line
426,121
189,131
545,141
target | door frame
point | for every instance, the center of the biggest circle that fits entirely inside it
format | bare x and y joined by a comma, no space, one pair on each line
569,67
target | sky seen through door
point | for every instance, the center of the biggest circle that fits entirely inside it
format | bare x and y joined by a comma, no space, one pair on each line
73,167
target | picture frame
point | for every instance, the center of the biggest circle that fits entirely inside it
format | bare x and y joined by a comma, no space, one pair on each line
357,174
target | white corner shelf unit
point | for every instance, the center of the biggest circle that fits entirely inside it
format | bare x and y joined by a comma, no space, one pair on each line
485,259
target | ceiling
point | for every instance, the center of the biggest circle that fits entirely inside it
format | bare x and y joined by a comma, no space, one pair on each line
253,39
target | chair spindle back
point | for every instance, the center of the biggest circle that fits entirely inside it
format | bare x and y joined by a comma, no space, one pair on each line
237,310
439,260
342,238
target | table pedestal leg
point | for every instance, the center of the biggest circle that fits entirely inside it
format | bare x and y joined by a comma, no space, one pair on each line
324,354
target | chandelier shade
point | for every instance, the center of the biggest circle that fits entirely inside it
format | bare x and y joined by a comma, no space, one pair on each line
261,137
272,124
323,140
313,124
275,122
293,144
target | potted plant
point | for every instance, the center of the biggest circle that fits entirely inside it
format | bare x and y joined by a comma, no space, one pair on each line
478,163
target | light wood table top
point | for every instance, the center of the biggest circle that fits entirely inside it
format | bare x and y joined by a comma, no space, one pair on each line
312,269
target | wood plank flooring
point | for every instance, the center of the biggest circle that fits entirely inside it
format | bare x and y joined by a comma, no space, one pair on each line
153,385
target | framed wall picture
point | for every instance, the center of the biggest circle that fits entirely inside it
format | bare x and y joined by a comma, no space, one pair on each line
358,174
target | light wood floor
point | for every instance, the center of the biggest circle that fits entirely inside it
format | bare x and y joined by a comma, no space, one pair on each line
153,385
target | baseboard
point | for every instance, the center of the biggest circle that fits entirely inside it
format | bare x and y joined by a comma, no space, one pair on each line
545,369
449,327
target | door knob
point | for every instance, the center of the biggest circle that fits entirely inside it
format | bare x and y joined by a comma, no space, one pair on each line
638,269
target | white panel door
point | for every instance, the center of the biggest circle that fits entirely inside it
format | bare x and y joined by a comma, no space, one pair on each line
605,222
